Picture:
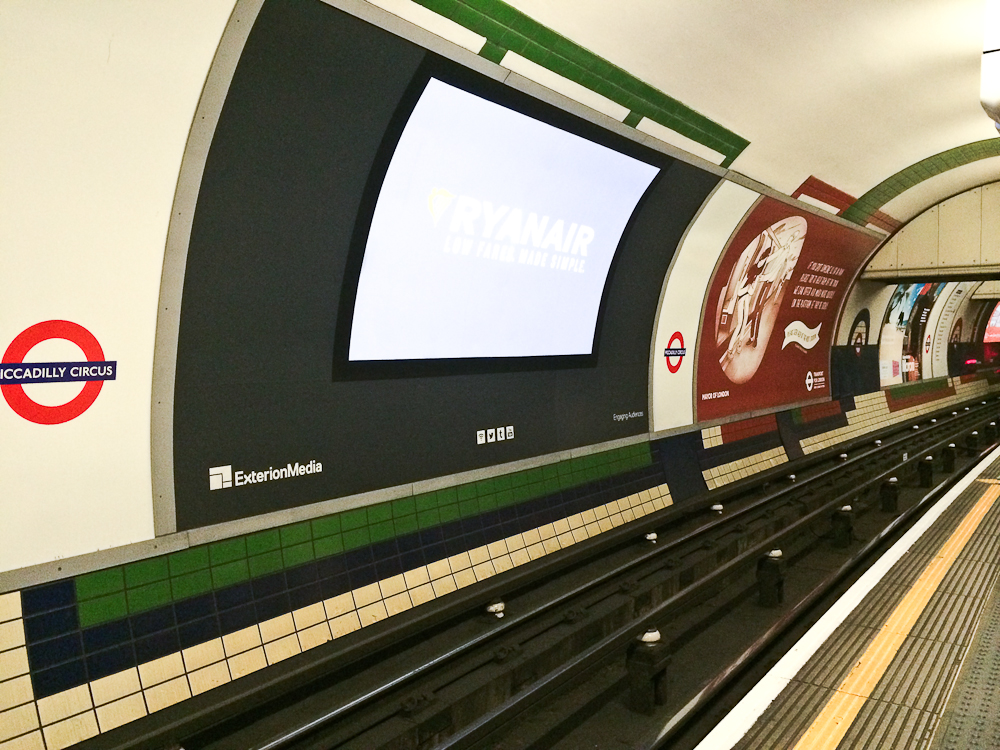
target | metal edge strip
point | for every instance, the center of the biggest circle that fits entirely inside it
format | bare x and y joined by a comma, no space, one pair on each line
168,315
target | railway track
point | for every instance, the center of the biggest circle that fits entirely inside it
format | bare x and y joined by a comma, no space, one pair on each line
554,664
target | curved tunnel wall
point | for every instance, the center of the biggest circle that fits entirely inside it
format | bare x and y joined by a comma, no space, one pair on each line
408,508
281,198
958,236
86,203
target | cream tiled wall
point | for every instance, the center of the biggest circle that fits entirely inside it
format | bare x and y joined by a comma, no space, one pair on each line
711,436
744,467
20,722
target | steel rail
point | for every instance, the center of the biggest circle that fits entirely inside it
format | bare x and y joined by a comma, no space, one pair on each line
511,622
621,638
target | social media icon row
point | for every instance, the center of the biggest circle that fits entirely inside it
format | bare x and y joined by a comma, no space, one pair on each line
495,434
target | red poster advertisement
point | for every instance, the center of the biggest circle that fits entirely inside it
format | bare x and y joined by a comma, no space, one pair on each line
771,310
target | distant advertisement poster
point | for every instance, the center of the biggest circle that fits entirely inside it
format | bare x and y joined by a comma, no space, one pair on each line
772,308
991,340
903,331
992,335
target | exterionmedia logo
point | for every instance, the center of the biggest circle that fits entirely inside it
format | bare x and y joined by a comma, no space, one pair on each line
223,477
15,373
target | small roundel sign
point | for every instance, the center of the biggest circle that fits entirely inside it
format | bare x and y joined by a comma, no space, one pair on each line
675,351
15,373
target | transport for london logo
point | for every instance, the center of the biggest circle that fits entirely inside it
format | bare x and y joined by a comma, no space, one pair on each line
675,351
223,477
15,373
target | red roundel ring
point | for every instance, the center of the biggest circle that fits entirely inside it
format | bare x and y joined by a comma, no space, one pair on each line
19,348
671,345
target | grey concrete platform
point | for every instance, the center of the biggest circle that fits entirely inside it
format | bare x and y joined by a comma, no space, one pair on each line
940,688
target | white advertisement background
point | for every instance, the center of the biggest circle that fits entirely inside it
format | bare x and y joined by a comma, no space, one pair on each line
890,343
97,102
417,301
928,353
947,310
684,297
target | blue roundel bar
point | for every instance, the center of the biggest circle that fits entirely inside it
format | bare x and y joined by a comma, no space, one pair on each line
26,373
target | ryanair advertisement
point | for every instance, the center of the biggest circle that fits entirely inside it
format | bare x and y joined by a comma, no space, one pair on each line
429,263
493,235
771,311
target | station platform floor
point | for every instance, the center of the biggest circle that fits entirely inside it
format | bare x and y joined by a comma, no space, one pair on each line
908,658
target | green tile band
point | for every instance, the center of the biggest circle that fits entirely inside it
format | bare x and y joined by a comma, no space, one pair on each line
99,583
633,119
492,52
919,387
113,593
506,28
102,609
861,211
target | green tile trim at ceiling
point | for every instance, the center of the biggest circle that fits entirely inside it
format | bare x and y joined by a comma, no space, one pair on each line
506,28
861,211
113,593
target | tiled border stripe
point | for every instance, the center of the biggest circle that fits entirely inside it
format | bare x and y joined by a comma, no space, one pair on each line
806,414
864,208
798,428
76,713
737,450
137,587
861,414
872,411
506,28
732,432
741,468
84,629
913,394
822,191
748,428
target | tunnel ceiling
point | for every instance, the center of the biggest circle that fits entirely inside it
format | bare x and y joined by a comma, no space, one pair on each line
878,100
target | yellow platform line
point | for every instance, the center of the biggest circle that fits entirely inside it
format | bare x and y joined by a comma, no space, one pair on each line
830,727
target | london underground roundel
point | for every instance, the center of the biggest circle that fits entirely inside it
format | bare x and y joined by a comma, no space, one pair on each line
15,373
675,351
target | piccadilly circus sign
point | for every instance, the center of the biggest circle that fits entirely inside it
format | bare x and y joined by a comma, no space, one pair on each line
675,351
15,373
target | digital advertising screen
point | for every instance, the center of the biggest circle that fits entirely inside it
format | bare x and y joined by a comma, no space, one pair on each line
772,308
392,256
492,236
